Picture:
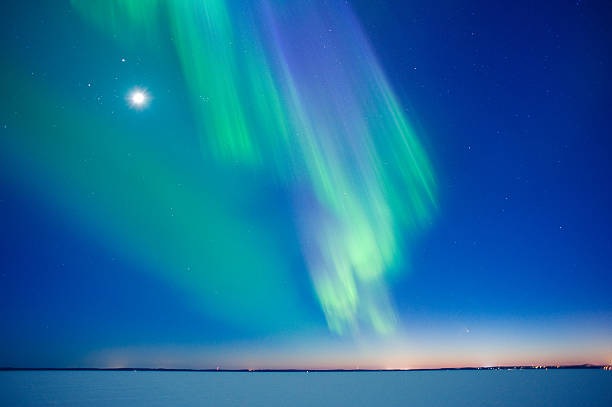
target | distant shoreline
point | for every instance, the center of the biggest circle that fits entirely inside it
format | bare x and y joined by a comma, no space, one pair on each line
144,369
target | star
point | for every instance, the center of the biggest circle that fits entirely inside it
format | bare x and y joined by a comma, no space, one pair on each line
138,98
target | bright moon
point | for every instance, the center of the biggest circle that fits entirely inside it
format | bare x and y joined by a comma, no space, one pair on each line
138,98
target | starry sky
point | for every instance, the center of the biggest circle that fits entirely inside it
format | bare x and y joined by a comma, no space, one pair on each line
323,184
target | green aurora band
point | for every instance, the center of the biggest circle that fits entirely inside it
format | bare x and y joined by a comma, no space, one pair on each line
288,91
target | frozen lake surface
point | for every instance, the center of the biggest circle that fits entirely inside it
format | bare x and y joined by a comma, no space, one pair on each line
416,388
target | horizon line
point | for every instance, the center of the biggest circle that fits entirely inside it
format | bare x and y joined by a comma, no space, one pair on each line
298,370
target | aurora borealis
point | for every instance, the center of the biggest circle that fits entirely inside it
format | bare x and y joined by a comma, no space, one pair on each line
237,180
304,103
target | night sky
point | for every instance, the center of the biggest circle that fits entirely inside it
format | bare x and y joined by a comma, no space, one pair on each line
322,184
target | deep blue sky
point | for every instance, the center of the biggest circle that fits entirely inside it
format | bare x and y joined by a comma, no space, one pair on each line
512,102
515,102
